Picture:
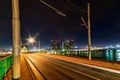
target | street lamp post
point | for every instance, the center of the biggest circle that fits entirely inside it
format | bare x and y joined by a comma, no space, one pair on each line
31,40
87,25
16,40
89,35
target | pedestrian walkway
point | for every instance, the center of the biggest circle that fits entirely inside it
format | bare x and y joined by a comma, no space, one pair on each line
26,73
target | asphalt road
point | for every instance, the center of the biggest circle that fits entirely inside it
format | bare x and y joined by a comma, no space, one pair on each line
56,69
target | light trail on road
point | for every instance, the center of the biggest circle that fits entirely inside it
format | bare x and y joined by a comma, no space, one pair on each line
56,69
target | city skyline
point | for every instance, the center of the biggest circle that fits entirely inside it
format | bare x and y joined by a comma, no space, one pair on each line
39,20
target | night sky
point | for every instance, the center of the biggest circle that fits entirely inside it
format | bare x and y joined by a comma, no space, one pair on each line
43,22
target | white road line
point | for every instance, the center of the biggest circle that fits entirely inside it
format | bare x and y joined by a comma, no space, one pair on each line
106,69
77,71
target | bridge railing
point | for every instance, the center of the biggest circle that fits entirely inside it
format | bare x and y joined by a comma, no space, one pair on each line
5,64
112,54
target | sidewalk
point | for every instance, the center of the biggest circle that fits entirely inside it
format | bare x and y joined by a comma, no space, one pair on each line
25,72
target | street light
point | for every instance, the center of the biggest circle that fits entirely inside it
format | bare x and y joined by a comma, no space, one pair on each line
57,11
87,25
31,40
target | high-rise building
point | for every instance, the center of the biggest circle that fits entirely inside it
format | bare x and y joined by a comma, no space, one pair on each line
55,45
69,44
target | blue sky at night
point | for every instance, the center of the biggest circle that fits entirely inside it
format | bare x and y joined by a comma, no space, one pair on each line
39,20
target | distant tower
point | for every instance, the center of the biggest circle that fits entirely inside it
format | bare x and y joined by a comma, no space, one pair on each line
62,45
55,45
69,44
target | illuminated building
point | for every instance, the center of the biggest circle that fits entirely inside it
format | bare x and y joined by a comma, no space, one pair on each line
55,45
69,44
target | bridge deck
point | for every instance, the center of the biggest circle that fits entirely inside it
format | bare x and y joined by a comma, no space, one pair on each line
26,72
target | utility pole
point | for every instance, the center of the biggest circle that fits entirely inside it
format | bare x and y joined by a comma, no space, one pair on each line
16,40
87,25
89,35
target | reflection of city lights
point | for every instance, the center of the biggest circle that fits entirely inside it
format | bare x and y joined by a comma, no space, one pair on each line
63,49
110,46
118,50
106,47
117,45
76,46
119,54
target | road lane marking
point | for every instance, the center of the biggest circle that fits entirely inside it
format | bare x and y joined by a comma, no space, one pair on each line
75,70
35,72
98,67
40,71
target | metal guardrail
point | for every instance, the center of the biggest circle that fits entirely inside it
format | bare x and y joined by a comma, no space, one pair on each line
112,54
5,64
